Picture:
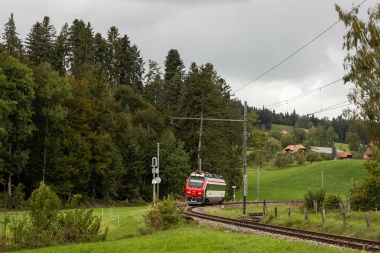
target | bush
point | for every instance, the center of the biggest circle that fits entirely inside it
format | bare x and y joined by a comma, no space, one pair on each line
14,201
79,226
312,195
76,201
44,206
332,201
283,161
167,213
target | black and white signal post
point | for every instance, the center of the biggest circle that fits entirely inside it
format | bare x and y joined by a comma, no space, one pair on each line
156,179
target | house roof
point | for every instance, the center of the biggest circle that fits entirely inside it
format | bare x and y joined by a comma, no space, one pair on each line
368,152
293,148
324,150
343,154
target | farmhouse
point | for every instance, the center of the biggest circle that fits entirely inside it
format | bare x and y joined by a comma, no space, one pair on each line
343,155
294,149
367,154
323,150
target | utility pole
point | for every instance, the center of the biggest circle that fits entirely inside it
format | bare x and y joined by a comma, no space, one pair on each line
200,140
245,180
158,170
200,144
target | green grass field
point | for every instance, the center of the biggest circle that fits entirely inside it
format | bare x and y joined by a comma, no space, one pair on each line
127,228
356,224
193,239
277,128
291,183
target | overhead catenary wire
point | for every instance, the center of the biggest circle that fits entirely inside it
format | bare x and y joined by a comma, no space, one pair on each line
333,107
295,98
297,51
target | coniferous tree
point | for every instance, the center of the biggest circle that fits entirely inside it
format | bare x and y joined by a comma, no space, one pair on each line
153,90
12,44
174,165
114,48
131,65
61,51
81,43
173,78
201,98
40,42
100,50
333,152
137,70
50,112
125,61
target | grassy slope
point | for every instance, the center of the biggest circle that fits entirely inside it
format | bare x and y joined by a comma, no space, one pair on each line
122,222
292,182
277,128
193,239
275,184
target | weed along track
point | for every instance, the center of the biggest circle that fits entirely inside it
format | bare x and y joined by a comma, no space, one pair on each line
349,242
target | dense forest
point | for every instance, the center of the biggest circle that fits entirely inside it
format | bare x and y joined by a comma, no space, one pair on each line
79,112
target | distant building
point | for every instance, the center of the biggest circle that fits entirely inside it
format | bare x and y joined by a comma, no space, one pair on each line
283,132
343,155
367,154
323,150
293,149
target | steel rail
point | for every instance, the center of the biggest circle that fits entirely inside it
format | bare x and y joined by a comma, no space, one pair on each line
344,241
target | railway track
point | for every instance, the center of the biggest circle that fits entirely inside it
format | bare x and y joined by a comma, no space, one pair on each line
349,242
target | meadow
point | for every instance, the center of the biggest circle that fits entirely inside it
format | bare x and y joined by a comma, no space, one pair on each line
291,183
191,239
128,232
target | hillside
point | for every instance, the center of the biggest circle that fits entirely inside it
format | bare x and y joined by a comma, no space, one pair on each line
291,183
277,128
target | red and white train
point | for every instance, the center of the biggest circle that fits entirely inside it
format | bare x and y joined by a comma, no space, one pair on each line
203,188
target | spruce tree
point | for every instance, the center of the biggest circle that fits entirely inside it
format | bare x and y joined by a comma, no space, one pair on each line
81,43
61,51
173,78
12,44
40,42
113,56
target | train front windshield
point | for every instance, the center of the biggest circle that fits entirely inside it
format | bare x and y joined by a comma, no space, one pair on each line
196,182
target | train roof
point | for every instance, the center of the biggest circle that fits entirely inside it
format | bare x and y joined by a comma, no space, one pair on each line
206,174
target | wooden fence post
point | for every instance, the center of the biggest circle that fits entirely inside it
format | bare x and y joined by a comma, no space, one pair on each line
315,205
344,217
368,220
323,215
289,213
341,205
306,214
264,208
275,211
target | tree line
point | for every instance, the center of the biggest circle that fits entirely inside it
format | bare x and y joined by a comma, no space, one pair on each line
80,113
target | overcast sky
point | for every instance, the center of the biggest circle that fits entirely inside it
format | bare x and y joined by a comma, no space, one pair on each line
243,39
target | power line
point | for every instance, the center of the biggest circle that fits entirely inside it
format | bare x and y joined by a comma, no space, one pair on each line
297,51
333,107
292,99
